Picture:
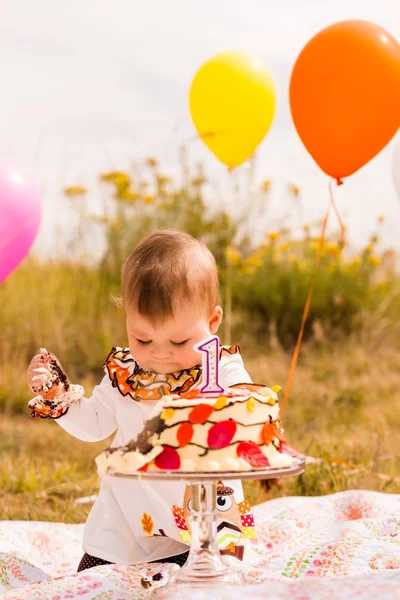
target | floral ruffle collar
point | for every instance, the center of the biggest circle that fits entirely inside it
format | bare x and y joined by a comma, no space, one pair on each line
140,384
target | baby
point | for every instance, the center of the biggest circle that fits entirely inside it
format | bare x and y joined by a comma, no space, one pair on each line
170,294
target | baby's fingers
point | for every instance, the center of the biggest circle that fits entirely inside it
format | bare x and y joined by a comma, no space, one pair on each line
39,371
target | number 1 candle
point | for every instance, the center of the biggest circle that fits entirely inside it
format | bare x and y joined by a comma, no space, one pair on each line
210,359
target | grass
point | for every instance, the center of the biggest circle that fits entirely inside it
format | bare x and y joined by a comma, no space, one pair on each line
344,409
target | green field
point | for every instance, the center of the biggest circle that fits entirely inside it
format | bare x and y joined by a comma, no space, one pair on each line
344,406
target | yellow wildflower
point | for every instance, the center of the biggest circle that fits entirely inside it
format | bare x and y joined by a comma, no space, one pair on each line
249,270
75,190
126,195
254,261
266,185
118,178
152,162
294,189
306,227
373,260
273,235
149,199
381,219
333,249
233,257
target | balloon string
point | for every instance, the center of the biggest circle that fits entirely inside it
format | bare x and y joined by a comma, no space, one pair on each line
341,224
306,309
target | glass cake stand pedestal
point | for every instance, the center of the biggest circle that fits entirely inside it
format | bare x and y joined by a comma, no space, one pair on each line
204,568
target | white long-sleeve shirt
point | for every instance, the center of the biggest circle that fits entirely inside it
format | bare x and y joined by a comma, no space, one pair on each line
135,521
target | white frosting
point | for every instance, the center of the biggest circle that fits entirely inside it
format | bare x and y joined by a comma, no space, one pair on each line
125,462
249,410
62,400
187,464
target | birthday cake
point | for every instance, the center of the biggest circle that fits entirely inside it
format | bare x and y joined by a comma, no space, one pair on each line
235,430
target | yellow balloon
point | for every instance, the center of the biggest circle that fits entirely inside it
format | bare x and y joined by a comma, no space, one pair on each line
232,103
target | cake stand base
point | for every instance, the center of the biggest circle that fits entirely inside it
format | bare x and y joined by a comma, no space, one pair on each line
204,569
204,566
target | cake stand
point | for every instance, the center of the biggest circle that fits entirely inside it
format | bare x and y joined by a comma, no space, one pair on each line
204,568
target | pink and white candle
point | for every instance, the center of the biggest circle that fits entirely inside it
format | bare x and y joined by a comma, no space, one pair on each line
209,349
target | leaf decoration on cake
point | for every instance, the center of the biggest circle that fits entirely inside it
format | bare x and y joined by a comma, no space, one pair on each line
145,468
167,413
147,523
251,453
200,414
251,405
286,449
271,431
220,403
268,433
221,434
184,434
169,459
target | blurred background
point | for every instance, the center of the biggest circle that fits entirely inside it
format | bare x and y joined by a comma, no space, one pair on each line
95,107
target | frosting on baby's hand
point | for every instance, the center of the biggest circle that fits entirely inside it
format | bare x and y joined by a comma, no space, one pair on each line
47,378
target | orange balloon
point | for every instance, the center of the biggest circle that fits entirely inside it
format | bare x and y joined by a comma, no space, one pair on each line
345,95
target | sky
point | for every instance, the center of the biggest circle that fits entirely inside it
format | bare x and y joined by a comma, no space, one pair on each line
91,85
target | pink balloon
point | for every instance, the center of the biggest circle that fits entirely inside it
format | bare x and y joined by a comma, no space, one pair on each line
20,213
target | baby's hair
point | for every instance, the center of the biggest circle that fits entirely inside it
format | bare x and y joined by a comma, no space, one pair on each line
165,270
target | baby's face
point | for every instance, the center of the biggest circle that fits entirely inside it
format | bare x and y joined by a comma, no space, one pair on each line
168,347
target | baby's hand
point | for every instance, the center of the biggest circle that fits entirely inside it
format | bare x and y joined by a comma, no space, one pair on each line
42,378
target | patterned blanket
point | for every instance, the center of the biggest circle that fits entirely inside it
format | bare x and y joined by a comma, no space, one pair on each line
342,546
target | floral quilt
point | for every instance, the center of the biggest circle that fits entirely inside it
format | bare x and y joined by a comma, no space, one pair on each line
343,546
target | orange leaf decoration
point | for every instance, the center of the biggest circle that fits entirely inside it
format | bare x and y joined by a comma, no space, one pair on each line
184,434
271,430
200,413
268,433
147,523
145,468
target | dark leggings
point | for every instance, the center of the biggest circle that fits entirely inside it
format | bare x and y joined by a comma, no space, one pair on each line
87,561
